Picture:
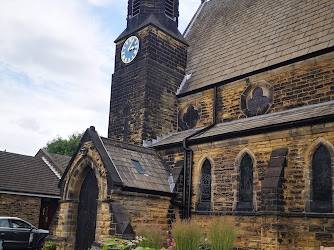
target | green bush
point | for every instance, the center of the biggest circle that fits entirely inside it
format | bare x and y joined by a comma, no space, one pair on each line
50,245
115,243
187,235
221,235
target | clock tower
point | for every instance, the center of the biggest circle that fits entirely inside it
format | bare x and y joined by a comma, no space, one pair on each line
150,63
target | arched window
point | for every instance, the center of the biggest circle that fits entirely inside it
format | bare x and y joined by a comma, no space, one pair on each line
321,194
206,182
245,202
204,203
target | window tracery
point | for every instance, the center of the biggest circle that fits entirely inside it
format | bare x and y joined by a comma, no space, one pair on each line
245,201
206,181
204,201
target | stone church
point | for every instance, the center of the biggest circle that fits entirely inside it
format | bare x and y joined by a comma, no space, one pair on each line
234,119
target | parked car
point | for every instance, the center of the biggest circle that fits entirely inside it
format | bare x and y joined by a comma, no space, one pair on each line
16,233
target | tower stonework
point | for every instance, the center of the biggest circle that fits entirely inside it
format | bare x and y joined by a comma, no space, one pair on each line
148,72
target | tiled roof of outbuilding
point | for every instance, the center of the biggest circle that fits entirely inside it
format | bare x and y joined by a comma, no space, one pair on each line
122,154
230,38
26,174
61,160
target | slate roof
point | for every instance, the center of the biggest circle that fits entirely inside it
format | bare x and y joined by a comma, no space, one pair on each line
26,174
230,38
59,162
277,120
122,154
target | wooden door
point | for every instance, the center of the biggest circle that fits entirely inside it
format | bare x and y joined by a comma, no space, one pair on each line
87,208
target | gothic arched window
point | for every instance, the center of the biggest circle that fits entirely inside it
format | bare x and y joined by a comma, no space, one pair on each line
321,181
204,203
206,182
246,184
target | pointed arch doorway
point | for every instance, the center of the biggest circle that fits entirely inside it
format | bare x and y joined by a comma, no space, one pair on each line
87,210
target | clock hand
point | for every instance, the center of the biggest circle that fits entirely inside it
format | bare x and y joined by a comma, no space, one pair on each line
130,47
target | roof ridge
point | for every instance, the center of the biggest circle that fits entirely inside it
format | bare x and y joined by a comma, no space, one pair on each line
126,145
17,154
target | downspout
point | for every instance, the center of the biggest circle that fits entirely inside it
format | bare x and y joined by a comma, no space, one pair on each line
186,213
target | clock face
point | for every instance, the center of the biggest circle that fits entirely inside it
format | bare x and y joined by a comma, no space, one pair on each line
130,49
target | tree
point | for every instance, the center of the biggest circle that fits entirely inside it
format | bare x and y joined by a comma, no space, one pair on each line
64,146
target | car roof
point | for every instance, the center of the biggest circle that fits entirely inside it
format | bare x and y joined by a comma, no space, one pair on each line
8,217
15,218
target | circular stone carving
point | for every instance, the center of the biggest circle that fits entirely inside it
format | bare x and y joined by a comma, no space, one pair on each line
256,99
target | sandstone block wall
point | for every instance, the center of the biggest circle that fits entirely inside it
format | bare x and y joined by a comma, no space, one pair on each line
295,227
146,210
143,104
303,83
24,207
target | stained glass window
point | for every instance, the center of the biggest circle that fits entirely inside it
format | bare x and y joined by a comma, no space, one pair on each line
258,104
206,181
321,180
246,179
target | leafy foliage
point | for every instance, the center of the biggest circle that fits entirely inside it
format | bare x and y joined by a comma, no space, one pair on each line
50,245
115,243
64,146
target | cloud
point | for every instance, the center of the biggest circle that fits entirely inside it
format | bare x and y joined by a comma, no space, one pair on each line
55,40
29,123
56,61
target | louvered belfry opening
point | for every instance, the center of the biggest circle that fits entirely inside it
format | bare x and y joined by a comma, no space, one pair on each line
135,7
169,8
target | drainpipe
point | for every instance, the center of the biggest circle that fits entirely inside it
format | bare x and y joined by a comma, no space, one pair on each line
186,213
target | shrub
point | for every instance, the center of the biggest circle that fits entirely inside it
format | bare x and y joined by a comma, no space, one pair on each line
187,235
115,243
221,234
50,245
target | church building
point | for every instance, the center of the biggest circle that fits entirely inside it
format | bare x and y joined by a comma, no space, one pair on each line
234,119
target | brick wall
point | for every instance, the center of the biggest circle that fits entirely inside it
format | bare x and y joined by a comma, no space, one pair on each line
24,207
